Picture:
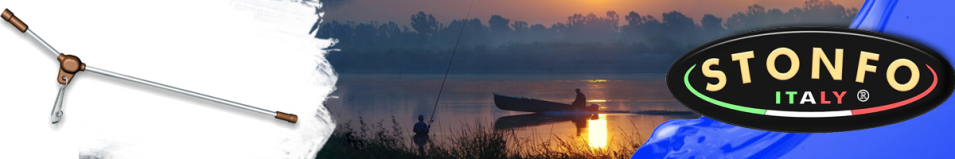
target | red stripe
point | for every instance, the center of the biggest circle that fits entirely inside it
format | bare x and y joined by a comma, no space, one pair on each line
900,103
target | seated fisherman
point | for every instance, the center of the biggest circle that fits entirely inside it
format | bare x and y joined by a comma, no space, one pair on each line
581,102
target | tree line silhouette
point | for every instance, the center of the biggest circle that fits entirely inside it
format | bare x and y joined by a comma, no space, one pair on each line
674,31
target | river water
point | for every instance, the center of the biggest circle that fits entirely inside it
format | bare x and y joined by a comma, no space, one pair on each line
468,100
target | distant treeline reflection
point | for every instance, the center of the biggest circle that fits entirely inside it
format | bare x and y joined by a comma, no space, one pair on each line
426,41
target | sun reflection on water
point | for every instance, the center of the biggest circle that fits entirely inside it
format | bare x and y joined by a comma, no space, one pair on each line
597,132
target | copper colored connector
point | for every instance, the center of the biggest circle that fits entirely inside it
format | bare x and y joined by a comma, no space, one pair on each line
69,65
292,118
9,17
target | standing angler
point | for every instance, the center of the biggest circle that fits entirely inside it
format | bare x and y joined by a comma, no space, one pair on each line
421,130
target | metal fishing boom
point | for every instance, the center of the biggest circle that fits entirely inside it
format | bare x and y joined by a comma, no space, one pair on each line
70,65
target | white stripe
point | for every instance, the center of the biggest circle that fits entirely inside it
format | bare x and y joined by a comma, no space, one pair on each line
799,114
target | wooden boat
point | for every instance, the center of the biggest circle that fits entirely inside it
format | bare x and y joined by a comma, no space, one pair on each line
525,104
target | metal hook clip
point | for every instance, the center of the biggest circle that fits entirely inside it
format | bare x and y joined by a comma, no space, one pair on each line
57,112
69,65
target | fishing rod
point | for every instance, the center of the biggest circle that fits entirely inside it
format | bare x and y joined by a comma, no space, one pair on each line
446,71
70,65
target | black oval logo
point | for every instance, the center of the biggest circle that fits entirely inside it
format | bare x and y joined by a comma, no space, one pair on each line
811,79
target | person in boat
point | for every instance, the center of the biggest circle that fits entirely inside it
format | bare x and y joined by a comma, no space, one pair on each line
581,102
421,130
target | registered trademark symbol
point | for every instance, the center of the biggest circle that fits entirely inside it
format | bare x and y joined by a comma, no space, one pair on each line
863,95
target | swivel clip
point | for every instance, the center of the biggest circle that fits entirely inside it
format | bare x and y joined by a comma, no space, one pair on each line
69,66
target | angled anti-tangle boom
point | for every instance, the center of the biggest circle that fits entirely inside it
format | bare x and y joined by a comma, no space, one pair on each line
70,65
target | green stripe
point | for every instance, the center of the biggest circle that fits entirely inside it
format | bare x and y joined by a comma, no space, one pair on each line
686,81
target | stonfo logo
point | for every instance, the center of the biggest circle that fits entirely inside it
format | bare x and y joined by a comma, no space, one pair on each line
811,79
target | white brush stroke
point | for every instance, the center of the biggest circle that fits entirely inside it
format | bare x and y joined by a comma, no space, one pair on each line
256,52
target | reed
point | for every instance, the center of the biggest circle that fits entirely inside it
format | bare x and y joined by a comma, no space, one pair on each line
471,141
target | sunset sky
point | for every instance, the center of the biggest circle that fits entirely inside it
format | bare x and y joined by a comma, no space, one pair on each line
545,12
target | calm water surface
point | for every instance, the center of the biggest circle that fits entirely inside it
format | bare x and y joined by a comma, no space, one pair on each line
468,99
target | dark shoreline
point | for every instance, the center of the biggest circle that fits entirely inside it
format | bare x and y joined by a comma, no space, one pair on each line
372,140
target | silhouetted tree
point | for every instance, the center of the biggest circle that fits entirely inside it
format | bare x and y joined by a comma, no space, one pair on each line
639,28
813,12
816,12
540,33
677,22
499,24
634,19
424,24
500,29
389,34
589,28
473,33
520,26
366,34
613,20
520,32
675,32
712,27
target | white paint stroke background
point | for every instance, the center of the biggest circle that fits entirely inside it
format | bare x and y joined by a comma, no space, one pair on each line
256,52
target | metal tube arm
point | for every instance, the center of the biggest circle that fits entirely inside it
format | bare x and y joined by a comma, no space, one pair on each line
70,64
